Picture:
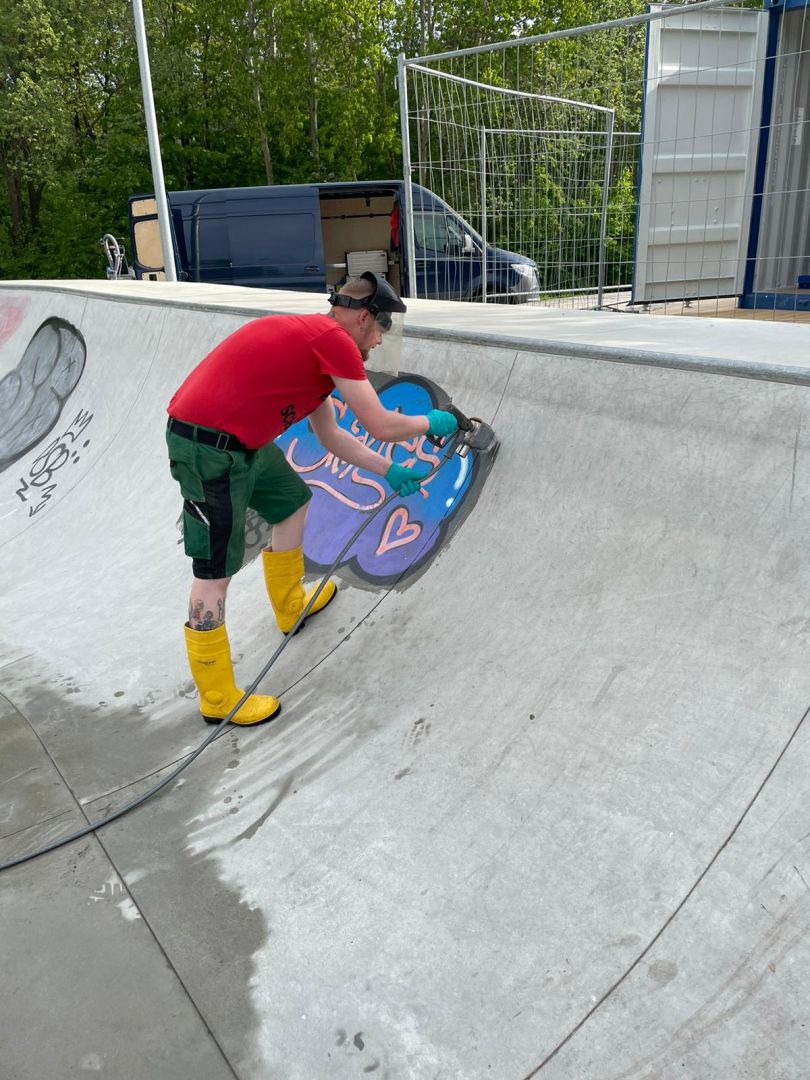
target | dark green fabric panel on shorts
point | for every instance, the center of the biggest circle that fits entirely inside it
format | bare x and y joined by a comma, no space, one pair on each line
218,486
278,490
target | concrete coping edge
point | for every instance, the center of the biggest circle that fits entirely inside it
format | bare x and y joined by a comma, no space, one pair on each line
761,370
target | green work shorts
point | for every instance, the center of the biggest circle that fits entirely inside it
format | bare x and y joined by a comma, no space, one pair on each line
217,487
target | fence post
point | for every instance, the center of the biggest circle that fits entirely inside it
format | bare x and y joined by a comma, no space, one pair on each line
402,86
483,156
605,200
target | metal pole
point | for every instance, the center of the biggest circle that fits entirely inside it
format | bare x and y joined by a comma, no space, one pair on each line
605,199
483,156
407,170
154,144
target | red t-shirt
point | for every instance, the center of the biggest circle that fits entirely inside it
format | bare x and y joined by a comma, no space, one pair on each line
265,376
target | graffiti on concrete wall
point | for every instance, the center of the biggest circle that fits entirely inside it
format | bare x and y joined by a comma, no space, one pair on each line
410,531
33,395
39,485
12,310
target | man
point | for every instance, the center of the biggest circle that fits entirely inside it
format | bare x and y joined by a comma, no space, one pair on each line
255,384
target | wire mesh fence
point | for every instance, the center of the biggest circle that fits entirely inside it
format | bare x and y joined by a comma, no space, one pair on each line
654,163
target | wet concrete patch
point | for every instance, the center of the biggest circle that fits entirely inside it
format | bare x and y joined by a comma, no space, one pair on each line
31,789
86,987
206,929
99,744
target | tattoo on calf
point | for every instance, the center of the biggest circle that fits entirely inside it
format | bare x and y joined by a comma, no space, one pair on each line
200,618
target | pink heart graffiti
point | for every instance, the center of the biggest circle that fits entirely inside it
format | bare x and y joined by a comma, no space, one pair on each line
403,528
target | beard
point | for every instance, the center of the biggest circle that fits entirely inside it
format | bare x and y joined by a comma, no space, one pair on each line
364,354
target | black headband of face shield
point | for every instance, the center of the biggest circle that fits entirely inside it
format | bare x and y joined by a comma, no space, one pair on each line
382,301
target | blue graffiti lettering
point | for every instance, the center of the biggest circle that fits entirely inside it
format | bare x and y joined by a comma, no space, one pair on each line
409,531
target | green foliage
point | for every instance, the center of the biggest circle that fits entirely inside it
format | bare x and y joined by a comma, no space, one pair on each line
246,92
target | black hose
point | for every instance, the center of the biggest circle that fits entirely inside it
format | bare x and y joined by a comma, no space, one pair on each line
449,449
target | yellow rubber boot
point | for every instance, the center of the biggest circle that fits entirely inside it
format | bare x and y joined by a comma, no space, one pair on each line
209,657
283,571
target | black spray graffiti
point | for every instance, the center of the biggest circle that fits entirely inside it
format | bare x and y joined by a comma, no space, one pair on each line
33,394
67,447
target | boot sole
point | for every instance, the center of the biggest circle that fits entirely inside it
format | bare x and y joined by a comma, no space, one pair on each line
235,723
312,615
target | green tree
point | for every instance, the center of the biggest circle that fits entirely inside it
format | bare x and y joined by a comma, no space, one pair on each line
35,137
246,92
61,129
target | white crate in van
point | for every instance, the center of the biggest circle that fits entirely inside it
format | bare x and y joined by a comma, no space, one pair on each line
357,262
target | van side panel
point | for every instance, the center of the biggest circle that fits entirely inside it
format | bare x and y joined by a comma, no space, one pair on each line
264,237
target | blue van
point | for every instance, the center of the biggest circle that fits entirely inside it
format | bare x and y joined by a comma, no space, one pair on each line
307,237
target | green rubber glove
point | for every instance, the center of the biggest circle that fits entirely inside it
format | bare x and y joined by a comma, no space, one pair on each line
441,423
405,481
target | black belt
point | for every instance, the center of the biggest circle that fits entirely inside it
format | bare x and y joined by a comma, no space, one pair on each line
220,440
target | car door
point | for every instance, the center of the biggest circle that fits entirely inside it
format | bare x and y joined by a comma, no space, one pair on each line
445,256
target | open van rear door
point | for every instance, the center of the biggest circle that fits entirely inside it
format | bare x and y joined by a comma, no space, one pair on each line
144,237
702,110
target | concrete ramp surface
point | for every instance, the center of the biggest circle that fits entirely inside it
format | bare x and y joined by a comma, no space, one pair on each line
537,802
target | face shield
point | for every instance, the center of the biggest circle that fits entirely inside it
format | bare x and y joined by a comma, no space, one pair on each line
388,354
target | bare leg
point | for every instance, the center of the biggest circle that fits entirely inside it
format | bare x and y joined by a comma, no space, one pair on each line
206,606
289,534
283,572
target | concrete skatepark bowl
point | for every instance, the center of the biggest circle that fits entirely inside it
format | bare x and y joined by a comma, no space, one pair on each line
536,804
